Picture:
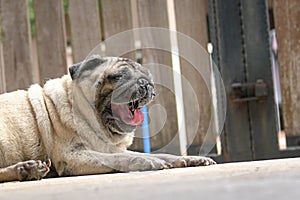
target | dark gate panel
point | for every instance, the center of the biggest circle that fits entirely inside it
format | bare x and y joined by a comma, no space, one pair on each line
239,31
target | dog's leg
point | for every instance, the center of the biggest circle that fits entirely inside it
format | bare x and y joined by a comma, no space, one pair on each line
25,171
180,161
90,162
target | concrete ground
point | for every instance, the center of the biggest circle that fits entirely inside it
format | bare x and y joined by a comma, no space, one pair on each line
272,179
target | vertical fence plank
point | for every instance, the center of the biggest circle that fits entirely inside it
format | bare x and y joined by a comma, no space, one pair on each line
16,42
287,15
85,27
2,85
51,42
116,16
154,14
191,20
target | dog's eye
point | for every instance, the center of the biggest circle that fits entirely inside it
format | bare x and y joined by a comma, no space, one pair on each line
114,77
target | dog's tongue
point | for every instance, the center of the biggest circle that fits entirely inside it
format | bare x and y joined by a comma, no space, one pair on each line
137,118
123,112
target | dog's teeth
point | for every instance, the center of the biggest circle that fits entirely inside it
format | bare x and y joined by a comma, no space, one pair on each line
136,104
131,106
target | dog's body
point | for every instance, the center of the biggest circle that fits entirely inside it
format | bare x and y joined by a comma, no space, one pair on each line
83,123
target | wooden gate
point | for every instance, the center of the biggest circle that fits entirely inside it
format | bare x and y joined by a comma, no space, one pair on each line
240,30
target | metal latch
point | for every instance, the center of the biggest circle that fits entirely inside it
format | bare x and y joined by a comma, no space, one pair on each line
242,92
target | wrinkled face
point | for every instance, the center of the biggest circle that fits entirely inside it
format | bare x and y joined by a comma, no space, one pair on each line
121,88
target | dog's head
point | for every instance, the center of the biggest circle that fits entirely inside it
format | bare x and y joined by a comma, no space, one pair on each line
117,89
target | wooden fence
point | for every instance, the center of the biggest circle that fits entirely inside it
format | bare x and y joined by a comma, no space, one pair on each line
287,16
77,26
80,25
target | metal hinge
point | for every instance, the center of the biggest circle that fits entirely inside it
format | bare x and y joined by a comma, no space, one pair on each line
242,92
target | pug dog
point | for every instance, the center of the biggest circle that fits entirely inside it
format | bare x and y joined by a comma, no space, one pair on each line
80,124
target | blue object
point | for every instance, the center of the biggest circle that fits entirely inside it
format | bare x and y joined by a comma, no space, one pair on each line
145,129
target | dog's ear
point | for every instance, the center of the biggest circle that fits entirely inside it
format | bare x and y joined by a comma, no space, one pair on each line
87,65
73,70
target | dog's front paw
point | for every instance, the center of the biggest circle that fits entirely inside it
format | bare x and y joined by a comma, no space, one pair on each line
193,161
32,170
186,161
140,163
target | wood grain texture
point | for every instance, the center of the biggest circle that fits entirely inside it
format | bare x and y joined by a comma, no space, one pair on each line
154,14
85,27
287,24
191,20
51,39
2,78
116,16
16,42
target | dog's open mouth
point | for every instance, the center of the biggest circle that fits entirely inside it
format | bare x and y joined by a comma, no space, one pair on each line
128,113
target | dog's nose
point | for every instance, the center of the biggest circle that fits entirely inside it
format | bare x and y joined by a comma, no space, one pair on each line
146,89
142,82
